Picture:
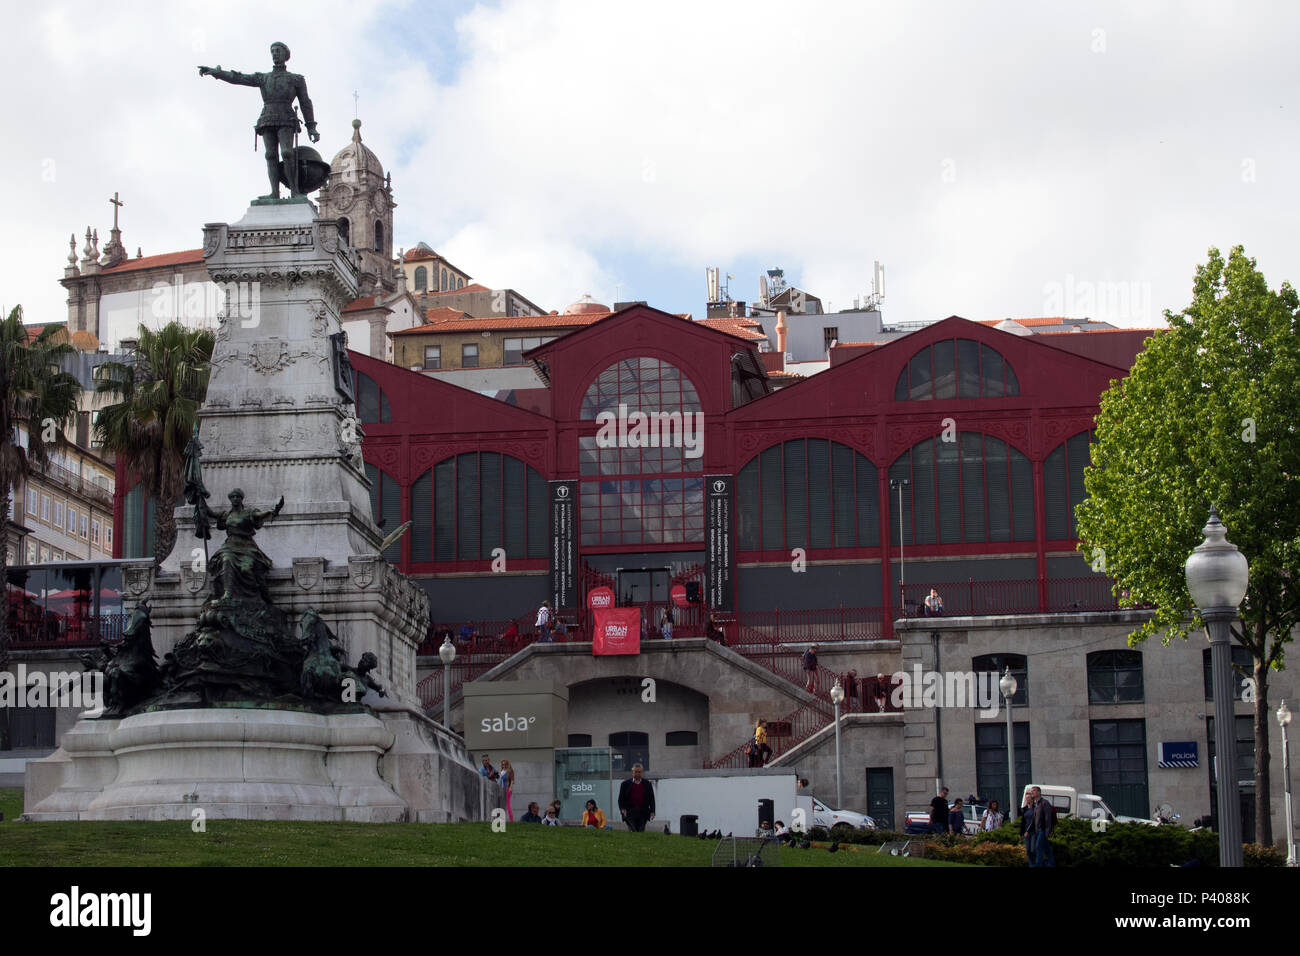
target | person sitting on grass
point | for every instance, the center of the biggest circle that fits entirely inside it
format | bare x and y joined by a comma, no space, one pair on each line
532,816
593,816
552,818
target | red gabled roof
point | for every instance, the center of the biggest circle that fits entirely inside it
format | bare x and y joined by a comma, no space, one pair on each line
186,257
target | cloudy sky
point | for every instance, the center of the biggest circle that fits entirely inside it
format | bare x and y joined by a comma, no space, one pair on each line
999,159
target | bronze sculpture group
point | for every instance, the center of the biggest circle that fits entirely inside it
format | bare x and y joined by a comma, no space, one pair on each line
242,651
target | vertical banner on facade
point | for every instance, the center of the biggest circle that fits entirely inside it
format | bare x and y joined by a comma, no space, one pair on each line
718,551
617,631
564,544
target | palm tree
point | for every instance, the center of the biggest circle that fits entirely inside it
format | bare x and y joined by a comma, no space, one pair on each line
159,393
36,395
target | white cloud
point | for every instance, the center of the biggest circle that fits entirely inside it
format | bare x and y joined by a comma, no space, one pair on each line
572,136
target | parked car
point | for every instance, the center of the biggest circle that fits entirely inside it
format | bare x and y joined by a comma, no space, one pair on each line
918,821
831,820
1087,806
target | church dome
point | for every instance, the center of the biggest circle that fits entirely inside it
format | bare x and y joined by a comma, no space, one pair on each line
355,160
585,305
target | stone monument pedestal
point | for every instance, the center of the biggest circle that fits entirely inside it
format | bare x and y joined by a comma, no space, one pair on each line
279,419
229,763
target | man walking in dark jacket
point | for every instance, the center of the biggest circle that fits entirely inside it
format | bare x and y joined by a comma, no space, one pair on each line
636,800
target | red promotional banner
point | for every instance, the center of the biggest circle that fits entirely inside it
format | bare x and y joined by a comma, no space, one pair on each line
678,593
601,597
617,631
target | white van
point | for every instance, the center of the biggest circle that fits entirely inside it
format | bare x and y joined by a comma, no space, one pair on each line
1068,801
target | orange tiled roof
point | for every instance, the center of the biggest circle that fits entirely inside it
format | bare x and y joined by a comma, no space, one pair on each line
468,324
1039,321
472,287
184,258
34,331
733,327
361,304
1097,331
445,314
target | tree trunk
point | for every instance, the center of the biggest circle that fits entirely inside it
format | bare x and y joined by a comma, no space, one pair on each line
1263,815
164,529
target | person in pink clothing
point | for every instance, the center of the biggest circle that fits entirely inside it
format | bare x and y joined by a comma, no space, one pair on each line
507,781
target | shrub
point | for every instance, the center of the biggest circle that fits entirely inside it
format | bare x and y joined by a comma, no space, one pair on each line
986,853
1254,854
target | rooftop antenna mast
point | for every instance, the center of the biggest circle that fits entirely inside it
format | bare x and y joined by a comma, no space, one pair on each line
877,286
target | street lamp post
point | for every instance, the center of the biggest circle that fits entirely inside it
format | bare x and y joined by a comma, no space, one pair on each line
1008,686
837,696
1283,720
1217,576
900,483
448,654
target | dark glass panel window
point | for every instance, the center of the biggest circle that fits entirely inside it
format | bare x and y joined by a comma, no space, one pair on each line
1115,677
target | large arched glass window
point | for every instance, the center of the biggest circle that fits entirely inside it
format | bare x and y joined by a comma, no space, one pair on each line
642,484
642,384
956,368
1115,677
372,403
442,281
1063,485
977,488
465,507
808,493
379,236
421,279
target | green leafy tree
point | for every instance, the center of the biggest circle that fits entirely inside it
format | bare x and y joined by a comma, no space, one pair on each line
1207,417
158,395
38,397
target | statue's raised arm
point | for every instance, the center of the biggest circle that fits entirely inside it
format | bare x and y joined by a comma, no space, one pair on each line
278,122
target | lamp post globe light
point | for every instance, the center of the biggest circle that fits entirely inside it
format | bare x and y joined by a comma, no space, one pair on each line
448,654
1008,686
1217,576
837,697
1283,721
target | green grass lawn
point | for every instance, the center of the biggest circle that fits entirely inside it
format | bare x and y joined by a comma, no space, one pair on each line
256,843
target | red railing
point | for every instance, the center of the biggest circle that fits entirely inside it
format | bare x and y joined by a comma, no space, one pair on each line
1023,596
52,631
781,735
480,646
821,625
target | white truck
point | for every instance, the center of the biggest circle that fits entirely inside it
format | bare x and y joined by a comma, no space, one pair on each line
1087,806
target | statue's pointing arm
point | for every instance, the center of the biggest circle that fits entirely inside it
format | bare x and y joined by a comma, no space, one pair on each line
232,76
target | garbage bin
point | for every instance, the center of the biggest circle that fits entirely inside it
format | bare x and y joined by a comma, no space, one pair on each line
689,825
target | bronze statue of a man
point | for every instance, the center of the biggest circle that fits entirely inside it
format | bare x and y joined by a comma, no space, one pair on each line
278,122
